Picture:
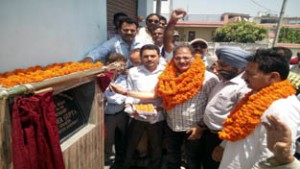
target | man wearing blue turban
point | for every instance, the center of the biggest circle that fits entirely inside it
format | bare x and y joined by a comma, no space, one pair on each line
230,66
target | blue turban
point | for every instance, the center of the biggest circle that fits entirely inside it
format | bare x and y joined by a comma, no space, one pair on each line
234,56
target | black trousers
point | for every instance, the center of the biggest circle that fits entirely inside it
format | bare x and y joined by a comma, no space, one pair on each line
116,129
174,142
155,136
210,140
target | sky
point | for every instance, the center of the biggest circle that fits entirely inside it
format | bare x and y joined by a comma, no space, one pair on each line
251,7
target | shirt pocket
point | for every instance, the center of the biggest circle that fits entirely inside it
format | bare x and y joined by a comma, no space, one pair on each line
222,102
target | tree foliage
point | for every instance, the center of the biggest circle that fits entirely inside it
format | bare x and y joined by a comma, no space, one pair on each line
240,31
288,35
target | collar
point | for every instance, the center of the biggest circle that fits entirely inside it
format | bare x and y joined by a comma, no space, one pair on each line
159,68
134,42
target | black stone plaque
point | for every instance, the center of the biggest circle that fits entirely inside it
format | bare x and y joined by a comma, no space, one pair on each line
73,108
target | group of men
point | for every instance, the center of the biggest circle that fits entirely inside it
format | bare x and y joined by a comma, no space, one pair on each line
215,120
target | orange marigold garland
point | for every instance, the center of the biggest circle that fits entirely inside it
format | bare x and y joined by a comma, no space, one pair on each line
176,89
37,73
243,119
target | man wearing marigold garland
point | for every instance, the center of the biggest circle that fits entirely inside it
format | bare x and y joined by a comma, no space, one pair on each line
231,64
272,94
184,87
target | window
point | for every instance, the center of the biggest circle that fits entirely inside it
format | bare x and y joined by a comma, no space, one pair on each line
192,35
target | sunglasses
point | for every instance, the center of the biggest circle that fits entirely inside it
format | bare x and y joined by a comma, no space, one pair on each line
202,46
153,21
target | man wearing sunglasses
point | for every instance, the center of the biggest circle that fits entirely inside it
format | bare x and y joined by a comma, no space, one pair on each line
152,21
200,46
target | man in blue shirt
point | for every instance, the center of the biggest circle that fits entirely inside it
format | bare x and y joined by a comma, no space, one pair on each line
122,43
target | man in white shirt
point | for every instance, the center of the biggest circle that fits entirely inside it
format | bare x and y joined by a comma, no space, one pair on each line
272,94
231,64
152,21
144,78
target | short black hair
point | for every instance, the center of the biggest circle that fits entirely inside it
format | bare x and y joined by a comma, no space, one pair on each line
269,60
152,14
117,16
284,51
115,57
163,18
149,47
129,21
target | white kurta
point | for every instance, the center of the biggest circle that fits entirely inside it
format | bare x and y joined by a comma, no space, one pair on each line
243,154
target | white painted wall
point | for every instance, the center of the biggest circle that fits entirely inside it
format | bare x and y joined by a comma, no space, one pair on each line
41,32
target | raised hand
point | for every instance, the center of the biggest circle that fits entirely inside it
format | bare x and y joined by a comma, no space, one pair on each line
279,139
178,14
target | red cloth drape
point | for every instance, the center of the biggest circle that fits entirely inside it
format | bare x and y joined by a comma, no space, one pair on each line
104,80
35,133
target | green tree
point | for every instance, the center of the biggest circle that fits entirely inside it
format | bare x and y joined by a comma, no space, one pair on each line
240,31
288,35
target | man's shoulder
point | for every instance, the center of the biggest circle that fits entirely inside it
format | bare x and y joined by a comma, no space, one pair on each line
136,70
122,77
142,29
133,70
110,42
238,80
116,38
291,102
138,40
210,76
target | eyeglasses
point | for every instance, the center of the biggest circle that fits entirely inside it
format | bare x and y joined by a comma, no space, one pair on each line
153,21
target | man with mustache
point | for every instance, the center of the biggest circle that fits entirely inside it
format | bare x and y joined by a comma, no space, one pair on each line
230,67
200,46
144,78
122,43
152,21
243,135
184,87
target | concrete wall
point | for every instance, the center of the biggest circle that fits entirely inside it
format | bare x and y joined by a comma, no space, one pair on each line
41,32
145,7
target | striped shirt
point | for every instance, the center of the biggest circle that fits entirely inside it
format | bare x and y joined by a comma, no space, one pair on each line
188,114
